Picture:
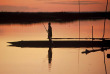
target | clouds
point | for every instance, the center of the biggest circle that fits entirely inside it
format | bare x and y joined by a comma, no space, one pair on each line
54,5
70,2
76,2
15,8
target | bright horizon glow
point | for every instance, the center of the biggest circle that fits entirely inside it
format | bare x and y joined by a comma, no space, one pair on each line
52,6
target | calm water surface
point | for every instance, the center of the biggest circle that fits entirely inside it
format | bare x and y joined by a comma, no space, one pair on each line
16,60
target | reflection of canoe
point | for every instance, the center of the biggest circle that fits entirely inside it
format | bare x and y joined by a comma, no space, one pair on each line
61,43
96,50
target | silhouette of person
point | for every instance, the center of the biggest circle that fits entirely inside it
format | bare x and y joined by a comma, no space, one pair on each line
49,31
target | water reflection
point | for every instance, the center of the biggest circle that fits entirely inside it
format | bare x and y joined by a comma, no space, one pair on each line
95,50
50,56
105,63
14,34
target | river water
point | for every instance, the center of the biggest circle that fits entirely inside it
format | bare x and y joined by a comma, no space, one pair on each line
16,60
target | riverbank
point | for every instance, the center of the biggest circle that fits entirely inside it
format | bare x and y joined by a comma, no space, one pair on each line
28,17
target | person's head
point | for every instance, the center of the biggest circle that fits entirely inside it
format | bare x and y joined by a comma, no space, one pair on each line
49,23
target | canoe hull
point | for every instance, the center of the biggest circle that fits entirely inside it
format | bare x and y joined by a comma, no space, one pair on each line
60,44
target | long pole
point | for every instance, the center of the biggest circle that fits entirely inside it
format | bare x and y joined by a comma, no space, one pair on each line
79,35
105,19
92,33
92,36
104,34
79,19
45,28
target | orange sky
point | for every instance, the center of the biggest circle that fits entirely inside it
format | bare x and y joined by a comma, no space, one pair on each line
51,5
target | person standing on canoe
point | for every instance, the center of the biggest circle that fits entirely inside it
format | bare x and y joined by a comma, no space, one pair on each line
50,34
49,31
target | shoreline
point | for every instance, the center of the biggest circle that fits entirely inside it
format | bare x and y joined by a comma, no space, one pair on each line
37,17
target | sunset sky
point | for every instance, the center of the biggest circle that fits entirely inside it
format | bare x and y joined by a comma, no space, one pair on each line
52,5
